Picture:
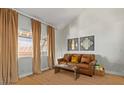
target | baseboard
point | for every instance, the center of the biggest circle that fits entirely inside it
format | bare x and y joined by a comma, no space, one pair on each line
44,69
25,75
115,73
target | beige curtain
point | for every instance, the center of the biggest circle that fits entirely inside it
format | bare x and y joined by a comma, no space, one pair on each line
8,46
51,46
36,32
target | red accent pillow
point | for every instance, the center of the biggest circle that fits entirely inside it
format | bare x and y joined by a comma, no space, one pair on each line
67,57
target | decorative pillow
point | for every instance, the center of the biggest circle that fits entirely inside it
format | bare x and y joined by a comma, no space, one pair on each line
85,60
67,57
74,59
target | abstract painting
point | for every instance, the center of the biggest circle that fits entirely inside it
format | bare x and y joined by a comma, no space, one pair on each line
87,43
73,44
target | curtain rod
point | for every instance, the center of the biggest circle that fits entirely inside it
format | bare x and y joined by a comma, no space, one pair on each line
26,15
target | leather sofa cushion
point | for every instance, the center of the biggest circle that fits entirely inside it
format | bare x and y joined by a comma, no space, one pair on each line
83,66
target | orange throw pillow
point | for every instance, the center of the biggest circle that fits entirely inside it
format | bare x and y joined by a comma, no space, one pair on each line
85,60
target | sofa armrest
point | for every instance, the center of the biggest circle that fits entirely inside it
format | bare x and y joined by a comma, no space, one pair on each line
60,60
92,63
79,65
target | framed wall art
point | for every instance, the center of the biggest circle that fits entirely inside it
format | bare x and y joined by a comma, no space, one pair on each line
73,44
87,43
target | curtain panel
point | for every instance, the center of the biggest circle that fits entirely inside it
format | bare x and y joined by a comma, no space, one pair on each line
8,46
36,32
51,46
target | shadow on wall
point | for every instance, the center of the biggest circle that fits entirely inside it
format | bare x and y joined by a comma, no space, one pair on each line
111,67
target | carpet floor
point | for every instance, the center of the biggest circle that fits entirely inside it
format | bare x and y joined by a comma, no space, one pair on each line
67,78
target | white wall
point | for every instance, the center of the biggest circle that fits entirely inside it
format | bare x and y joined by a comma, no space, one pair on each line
58,44
107,26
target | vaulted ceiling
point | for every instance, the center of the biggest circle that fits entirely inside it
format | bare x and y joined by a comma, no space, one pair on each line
58,17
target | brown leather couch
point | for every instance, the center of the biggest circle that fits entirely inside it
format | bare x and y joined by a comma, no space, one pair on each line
86,62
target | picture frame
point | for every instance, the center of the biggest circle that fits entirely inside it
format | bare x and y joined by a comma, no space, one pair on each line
87,43
73,44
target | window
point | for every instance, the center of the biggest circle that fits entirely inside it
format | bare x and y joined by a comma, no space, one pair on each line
24,37
44,46
25,46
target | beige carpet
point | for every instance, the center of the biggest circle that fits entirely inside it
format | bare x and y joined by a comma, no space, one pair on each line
66,78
